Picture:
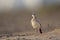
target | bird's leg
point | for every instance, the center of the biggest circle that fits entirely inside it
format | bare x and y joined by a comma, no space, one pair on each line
38,31
35,30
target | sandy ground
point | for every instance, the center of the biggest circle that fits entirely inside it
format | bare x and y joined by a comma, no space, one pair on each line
53,35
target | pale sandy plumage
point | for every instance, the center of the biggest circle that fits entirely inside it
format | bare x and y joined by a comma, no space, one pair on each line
35,23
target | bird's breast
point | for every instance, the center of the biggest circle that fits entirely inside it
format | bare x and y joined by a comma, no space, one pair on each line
35,24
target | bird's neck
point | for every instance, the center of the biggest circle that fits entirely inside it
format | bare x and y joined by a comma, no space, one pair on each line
34,17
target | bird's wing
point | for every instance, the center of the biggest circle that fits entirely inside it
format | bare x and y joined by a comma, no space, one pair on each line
38,21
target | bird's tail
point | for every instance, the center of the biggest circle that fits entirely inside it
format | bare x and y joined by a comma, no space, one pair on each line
40,30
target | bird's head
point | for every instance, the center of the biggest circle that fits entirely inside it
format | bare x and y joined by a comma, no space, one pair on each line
33,15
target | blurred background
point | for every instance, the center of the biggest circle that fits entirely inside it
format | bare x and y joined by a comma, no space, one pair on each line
15,15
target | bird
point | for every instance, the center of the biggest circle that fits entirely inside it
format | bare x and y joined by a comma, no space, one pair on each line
36,25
